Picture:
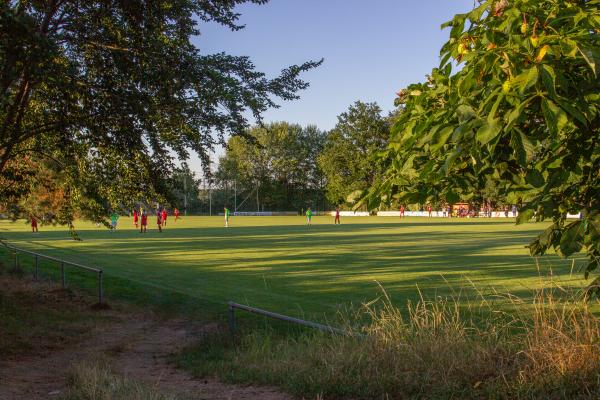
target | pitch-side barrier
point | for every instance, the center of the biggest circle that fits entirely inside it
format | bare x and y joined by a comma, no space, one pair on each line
63,263
324,328
437,214
263,213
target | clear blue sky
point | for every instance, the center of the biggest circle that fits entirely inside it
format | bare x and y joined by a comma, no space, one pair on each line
371,49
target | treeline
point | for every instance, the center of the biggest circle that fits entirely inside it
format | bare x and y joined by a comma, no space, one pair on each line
283,166
279,166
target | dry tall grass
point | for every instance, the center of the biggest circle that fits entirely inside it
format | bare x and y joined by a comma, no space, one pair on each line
546,348
98,381
487,350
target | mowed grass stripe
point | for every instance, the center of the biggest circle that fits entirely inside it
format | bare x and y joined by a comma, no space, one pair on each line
280,264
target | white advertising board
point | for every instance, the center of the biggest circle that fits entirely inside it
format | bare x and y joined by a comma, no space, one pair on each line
351,213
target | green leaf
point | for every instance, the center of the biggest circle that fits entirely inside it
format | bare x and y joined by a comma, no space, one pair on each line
569,47
572,110
570,241
549,79
450,160
556,118
464,113
594,20
490,98
519,148
492,114
458,26
530,79
535,178
524,216
444,60
488,131
546,237
440,138
591,57
527,145
476,14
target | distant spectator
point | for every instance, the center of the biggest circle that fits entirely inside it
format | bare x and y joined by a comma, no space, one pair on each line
514,210
34,225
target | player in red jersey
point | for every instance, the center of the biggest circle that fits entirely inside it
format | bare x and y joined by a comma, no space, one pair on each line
34,225
144,222
135,218
164,217
429,210
159,220
337,215
176,213
402,211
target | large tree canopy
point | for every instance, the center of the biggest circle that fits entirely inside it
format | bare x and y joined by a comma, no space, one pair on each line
347,159
278,160
114,91
523,111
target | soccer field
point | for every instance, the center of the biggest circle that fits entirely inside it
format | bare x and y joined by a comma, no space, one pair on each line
281,264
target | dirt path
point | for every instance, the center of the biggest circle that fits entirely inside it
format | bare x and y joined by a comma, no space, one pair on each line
138,348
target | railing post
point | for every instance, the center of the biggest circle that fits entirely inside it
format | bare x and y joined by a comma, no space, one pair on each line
62,273
231,320
100,294
36,267
16,260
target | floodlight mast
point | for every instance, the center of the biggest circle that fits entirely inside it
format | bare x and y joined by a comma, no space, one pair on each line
185,195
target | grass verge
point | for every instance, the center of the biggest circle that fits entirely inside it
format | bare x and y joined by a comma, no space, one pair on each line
548,348
38,317
98,381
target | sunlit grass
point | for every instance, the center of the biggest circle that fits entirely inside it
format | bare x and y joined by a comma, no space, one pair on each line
280,264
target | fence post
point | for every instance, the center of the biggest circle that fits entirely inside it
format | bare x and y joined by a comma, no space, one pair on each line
100,294
36,267
62,273
231,320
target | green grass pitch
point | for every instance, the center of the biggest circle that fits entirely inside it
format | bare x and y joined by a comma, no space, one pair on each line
280,264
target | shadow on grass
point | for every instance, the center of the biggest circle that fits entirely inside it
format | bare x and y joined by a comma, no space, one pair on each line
298,270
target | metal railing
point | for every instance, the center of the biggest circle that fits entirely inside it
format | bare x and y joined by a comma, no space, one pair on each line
325,328
62,263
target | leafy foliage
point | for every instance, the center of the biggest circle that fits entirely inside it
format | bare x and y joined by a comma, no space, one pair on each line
278,160
347,159
523,111
116,92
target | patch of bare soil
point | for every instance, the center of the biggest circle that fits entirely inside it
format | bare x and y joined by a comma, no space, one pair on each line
138,346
